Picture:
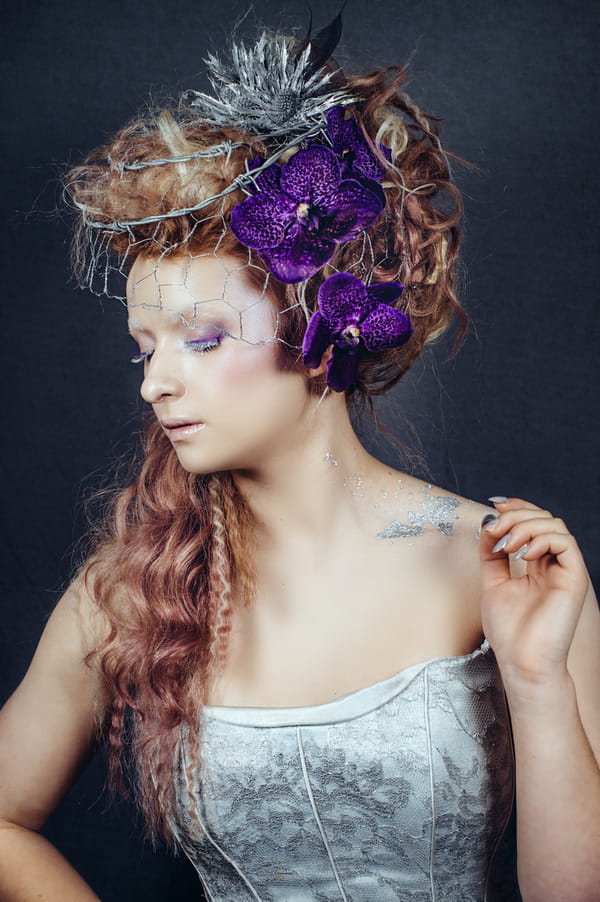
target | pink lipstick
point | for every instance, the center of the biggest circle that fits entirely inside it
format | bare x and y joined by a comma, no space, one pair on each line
179,428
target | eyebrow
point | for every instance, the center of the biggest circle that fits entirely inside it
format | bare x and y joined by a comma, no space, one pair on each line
188,318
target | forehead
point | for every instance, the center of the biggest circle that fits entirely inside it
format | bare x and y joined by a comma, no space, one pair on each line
193,289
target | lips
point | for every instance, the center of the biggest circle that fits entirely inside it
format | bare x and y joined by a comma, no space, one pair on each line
178,428
176,422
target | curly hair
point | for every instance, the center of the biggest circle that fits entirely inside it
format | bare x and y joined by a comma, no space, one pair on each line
176,551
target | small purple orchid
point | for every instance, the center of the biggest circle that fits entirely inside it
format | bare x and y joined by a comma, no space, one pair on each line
301,210
352,315
349,143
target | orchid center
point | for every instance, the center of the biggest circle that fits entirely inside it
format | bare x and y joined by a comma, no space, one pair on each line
351,335
302,210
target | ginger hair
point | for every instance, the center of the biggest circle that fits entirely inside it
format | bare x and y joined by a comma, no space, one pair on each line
175,552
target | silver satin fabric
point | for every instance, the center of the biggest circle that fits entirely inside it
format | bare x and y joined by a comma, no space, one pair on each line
399,791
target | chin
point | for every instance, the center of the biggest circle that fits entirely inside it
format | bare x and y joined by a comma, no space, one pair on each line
202,460
201,464
199,468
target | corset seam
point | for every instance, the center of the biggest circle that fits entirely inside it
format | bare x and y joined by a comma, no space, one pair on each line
205,887
431,785
229,860
316,813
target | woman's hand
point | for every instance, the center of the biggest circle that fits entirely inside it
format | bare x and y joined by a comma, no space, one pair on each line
529,617
536,619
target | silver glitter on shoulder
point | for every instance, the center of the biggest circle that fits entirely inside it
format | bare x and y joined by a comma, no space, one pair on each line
396,530
435,510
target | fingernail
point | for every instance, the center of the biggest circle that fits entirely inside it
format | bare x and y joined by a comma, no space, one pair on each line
522,551
501,543
498,499
489,521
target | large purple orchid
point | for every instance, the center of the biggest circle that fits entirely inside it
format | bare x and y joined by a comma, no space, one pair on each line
301,210
353,316
349,143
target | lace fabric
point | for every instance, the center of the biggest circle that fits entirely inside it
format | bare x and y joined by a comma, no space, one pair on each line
400,791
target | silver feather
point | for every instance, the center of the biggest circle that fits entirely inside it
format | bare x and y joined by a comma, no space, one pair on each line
268,89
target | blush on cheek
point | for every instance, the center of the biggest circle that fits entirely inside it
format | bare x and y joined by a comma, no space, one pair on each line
250,363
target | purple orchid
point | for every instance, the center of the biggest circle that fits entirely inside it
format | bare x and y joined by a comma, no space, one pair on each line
301,210
350,316
349,143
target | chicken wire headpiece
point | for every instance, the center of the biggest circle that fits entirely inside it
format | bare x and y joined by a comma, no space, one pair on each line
325,191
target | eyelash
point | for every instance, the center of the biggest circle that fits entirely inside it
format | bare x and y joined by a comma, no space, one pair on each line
140,357
201,345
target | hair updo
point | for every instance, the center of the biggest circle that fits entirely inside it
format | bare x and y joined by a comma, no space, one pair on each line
415,241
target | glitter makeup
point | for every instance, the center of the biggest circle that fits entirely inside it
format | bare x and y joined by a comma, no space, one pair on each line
435,510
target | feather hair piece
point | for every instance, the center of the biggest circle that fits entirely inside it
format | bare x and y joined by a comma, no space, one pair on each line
269,89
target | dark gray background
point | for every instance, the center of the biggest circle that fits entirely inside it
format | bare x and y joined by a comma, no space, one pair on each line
514,413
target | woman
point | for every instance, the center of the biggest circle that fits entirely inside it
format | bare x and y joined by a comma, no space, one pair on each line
286,253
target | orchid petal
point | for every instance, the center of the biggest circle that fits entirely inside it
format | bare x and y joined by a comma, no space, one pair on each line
385,292
385,327
342,299
366,161
347,139
316,340
336,127
351,210
341,369
261,221
368,184
312,175
268,181
299,256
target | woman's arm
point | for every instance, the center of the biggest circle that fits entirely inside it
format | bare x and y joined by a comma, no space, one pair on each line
47,733
544,626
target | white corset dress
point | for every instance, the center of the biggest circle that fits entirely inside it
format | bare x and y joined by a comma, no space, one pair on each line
399,791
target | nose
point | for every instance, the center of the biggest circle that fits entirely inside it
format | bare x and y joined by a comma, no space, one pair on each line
160,380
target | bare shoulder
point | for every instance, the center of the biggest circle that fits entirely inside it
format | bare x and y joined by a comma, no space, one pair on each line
438,530
453,523
50,724
415,508
74,630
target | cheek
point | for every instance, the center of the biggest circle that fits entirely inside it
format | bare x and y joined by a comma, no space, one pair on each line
246,369
253,389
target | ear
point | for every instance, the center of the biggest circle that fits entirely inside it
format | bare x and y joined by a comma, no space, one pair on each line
315,372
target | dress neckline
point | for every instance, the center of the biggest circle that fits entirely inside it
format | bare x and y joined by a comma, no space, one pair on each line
347,707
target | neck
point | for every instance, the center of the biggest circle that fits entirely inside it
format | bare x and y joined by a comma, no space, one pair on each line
303,489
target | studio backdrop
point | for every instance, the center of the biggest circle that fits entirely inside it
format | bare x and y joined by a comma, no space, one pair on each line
513,413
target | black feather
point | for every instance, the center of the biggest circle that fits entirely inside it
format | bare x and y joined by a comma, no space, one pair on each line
324,42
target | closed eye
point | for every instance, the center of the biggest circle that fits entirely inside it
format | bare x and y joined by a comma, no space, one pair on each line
197,344
205,344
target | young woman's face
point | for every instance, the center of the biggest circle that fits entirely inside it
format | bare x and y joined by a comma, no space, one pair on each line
207,344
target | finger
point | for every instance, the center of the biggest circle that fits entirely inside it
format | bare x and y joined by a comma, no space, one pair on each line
513,529
563,547
495,568
508,512
508,504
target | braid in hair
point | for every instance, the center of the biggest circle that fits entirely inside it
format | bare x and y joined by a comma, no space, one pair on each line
220,577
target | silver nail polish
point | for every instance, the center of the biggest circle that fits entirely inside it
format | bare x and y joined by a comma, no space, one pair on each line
521,551
501,543
491,523
498,499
